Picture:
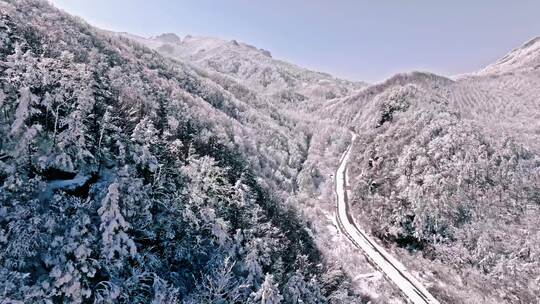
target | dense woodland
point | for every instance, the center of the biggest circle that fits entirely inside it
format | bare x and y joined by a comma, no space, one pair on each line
429,180
126,177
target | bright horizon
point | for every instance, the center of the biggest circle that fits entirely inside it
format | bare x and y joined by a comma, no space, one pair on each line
355,40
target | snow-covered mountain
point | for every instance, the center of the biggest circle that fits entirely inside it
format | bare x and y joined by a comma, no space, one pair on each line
523,59
251,66
199,170
439,162
505,96
128,177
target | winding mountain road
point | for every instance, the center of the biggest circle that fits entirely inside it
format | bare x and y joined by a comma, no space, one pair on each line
412,290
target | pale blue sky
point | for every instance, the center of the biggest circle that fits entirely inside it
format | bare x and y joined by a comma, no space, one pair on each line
353,39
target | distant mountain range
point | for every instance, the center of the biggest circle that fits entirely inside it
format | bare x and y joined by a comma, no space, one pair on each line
251,66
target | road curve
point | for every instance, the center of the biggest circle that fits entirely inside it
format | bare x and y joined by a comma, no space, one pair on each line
411,289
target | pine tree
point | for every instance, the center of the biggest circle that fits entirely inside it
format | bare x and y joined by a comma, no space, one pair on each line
269,292
117,244
75,137
145,136
297,290
253,267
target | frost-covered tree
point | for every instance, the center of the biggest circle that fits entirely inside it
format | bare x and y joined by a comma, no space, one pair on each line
76,137
22,111
268,293
253,267
117,244
210,192
297,290
220,286
144,136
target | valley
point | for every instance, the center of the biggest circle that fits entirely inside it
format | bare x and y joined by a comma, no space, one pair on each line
191,169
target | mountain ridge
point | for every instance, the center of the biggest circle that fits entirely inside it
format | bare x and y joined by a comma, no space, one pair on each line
524,58
255,68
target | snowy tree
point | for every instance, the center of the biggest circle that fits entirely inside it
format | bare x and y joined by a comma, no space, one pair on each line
145,136
297,291
268,293
219,287
253,267
75,137
163,292
116,242
22,111
71,257
210,196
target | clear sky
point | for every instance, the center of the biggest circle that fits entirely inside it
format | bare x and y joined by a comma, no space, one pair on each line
352,39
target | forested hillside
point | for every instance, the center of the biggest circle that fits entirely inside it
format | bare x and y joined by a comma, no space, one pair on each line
283,83
449,171
127,177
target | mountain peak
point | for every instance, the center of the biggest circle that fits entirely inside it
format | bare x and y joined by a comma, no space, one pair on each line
169,38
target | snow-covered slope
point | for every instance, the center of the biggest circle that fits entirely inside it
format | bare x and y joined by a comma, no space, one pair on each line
524,58
252,66
361,108
506,104
439,164
505,96
127,177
